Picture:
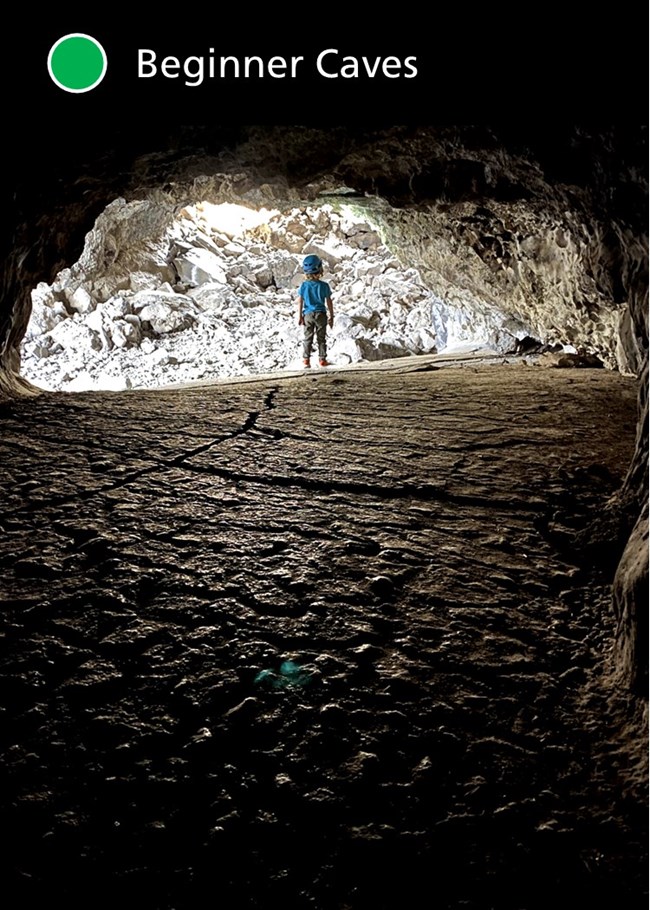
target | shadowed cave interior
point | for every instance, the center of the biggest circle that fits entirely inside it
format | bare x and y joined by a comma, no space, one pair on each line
344,639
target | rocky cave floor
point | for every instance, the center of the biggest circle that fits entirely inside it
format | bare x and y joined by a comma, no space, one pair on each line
317,642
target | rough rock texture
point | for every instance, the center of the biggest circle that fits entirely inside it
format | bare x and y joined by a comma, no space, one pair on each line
486,225
547,225
212,297
324,642
631,606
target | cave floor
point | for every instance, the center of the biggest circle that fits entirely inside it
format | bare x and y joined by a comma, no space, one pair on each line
317,642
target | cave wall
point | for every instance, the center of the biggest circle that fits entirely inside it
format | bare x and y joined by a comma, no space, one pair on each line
548,227
488,224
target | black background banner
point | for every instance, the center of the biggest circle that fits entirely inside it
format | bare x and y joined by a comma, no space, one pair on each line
544,65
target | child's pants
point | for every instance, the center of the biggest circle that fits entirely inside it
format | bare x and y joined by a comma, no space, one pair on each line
315,321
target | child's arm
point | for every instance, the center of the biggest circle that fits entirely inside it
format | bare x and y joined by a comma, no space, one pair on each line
301,320
330,311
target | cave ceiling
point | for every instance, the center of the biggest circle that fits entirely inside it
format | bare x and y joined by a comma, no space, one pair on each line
547,229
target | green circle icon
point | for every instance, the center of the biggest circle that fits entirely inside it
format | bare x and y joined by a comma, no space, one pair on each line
77,63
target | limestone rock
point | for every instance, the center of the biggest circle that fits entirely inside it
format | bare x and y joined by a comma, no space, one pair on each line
165,317
198,266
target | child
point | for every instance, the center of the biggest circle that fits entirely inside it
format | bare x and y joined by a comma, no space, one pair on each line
315,309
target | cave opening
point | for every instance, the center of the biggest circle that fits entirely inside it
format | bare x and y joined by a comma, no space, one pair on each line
433,550
199,291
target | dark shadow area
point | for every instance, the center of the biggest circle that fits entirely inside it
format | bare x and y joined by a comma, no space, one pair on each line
292,651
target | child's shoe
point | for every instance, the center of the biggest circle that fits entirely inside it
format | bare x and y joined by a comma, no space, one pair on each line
306,362
323,363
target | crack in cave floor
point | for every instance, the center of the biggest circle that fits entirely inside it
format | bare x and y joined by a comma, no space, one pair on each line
404,539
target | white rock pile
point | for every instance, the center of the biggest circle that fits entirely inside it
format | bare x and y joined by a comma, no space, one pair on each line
206,302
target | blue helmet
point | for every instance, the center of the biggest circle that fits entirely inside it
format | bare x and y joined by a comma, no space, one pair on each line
311,265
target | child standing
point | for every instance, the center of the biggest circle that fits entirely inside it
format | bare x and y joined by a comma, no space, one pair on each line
315,309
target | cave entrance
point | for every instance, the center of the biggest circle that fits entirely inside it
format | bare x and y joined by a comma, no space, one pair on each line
210,293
